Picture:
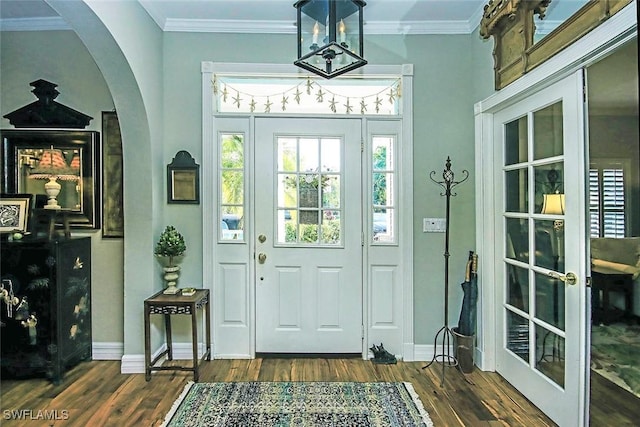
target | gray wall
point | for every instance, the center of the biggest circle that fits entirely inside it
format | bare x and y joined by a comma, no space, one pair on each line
60,57
452,72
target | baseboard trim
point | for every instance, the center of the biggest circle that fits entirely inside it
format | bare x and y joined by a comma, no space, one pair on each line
107,350
135,363
425,352
132,364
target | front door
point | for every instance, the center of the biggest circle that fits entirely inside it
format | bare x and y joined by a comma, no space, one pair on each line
308,224
541,297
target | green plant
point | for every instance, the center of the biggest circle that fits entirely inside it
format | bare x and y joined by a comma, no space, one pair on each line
171,244
307,180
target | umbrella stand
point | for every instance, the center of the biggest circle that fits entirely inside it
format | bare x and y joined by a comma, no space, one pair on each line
445,356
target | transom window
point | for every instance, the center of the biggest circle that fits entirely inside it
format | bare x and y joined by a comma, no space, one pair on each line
304,95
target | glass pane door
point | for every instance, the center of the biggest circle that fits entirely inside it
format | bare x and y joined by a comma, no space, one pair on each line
534,240
541,319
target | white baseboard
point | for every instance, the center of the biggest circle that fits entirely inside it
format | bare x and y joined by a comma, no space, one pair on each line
425,352
107,350
134,363
232,356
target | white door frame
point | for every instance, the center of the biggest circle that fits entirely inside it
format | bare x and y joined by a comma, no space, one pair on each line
607,37
244,325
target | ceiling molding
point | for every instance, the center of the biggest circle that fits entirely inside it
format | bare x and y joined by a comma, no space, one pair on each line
288,27
53,23
229,26
256,26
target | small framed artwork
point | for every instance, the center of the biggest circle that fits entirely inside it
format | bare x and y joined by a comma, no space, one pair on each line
183,179
14,212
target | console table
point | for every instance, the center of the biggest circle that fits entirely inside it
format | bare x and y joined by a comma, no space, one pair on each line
168,305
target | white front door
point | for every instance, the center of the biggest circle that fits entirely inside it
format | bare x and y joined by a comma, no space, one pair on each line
541,248
308,230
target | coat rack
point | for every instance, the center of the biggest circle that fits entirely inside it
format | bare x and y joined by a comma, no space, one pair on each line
448,183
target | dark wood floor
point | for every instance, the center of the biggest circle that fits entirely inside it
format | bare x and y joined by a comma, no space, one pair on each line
96,394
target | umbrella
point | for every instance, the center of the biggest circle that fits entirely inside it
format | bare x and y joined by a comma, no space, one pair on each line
467,321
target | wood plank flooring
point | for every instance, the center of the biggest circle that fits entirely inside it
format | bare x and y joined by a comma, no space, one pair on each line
96,394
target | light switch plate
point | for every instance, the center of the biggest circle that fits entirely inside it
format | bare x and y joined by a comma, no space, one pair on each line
434,225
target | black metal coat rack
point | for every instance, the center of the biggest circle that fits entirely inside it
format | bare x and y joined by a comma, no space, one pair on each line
448,183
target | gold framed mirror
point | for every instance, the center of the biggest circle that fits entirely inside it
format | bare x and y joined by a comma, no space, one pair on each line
512,23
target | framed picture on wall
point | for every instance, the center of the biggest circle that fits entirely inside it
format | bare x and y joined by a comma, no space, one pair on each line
14,212
112,177
35,161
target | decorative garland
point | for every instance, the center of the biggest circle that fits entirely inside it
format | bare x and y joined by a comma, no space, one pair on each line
322,95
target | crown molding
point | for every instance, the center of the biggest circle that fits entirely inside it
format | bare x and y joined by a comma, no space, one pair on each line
257,26
288,27
229,26
54,23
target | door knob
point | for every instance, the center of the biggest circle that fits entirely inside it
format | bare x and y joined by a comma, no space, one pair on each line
570,278
262,257
262,238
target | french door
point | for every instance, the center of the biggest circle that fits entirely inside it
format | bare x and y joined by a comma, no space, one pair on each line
541,265
308,228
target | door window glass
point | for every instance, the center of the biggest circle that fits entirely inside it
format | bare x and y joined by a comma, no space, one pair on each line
515,136
547,132
383,189
232,183
309,191
534,239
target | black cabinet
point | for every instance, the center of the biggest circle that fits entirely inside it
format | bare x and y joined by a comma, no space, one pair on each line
49,329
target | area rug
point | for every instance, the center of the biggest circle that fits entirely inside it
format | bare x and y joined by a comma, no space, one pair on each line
321,404
615,351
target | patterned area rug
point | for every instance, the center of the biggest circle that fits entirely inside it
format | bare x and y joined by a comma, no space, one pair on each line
615,353
321,404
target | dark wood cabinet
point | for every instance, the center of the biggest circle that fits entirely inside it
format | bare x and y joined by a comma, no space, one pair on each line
49,330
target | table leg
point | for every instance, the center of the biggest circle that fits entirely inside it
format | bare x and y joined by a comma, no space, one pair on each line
167,327
147,345
194,342
208,323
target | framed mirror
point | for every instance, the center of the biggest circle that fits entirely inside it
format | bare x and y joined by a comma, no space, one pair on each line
183,179
518,46
59,168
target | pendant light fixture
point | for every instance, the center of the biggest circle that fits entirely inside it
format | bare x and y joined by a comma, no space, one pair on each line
330,37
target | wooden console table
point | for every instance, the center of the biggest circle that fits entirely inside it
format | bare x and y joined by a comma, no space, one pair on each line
177,304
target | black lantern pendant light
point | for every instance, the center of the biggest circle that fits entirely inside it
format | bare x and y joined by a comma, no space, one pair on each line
330,39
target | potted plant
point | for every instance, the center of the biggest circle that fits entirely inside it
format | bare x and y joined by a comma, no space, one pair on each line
169,250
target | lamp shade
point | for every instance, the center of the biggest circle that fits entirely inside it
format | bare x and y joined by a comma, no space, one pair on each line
330,37
553,204
53,164
75,163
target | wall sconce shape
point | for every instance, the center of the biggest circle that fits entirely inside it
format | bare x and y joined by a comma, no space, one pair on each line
340,23
52,166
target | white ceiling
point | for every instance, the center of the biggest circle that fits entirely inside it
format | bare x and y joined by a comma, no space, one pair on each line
267,16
